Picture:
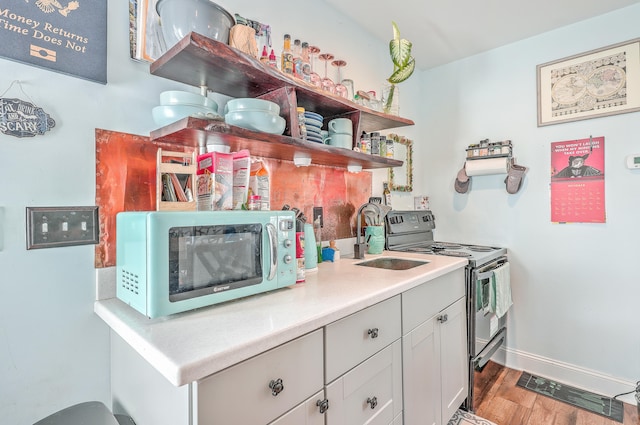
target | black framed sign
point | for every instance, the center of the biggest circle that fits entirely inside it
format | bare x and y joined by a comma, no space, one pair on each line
65,36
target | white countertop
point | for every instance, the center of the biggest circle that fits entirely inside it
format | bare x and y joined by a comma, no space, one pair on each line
190,346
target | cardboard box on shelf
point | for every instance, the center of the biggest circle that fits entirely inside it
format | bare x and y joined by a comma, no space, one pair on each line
215,181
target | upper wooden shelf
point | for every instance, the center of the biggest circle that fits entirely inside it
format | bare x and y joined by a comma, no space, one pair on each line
200,61
194,132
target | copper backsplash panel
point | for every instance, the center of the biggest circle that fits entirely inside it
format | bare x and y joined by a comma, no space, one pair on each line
126,181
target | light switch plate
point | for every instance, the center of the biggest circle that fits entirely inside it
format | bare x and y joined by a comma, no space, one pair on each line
317,212
49,227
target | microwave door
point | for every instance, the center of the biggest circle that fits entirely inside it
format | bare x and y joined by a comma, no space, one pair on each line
273,250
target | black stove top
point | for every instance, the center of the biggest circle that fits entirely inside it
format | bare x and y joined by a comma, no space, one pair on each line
412,231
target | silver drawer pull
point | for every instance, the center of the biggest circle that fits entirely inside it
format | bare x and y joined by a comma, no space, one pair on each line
443,318
276,386
373,402
373,332
323,405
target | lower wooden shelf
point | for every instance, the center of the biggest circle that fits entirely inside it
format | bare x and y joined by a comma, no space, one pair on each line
196,132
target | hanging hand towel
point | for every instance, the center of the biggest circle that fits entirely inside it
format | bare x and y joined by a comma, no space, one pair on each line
500,290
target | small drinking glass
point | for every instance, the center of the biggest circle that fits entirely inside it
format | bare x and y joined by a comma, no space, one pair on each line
315,78
340,89
327,83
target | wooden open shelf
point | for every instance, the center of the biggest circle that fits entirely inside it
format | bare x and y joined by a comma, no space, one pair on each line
199,61
195,131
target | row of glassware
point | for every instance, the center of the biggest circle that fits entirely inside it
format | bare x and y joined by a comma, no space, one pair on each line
299,61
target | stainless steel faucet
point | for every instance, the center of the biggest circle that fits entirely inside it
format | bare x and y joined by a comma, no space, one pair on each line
361,245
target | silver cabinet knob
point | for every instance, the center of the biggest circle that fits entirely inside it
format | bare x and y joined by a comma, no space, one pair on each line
373,402
323,405
276,386
373,332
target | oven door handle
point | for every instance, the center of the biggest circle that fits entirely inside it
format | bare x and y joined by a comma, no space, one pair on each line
486,274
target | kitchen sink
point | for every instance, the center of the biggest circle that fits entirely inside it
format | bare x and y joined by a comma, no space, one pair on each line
390,263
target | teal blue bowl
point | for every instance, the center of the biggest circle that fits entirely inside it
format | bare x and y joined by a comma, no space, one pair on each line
251,104
177,97
167,114
257,121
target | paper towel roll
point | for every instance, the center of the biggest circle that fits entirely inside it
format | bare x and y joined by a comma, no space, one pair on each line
484,167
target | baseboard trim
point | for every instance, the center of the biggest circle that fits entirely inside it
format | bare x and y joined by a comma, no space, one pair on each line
569,374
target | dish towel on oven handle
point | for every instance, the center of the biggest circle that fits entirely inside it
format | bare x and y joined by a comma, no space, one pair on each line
500,291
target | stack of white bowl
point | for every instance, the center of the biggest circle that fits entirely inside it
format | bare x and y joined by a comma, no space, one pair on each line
255,114
175,105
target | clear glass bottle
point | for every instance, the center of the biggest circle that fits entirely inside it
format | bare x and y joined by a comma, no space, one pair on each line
254,203
297,58
301,123
386,194
306,62
287,56
375,143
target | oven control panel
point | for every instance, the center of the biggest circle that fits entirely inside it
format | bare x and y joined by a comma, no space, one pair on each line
410,221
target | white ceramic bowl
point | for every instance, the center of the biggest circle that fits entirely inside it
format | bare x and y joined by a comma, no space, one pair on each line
177,97
256,121
167,114
180,17
251,104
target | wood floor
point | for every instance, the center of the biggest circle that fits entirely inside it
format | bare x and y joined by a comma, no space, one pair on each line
501,401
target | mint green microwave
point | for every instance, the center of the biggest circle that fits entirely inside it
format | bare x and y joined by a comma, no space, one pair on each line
171,262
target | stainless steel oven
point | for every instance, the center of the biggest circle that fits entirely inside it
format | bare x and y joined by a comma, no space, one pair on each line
412,231
486,331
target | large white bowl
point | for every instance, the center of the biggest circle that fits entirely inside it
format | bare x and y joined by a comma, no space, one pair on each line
178,97
256,121
251,104
167,114
180,17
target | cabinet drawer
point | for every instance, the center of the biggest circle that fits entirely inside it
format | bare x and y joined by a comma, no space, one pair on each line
353,339
241,394
369,394
307,413
424,301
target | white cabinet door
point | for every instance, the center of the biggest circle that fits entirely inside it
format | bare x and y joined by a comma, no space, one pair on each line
453,358
421,375
369,394
435,367
307,413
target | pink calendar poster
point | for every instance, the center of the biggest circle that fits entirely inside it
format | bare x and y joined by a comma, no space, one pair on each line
577,181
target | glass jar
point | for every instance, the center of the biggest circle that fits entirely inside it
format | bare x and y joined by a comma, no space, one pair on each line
255,203
302,124
375,143
382,146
